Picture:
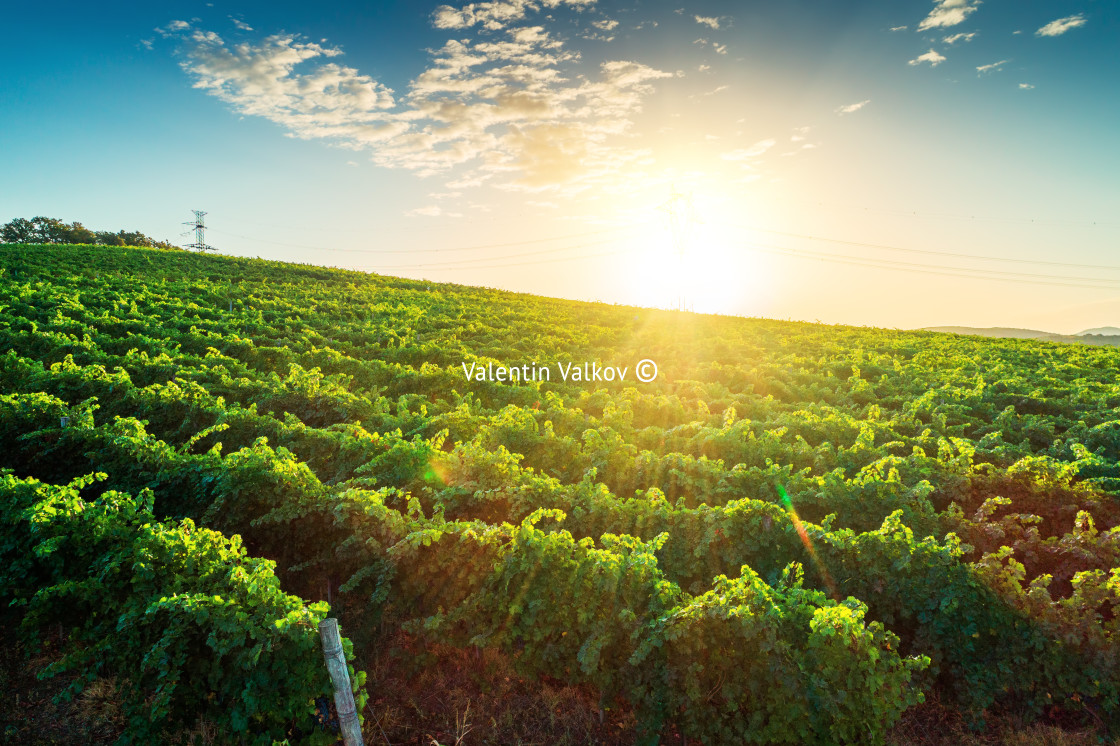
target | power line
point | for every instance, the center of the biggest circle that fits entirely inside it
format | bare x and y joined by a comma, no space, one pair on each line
962,272
948,216
495,262
468,262
787,234
845,259
929,252
595,255
478,247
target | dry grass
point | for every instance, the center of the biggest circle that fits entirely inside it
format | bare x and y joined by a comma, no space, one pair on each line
934,724
28,711
429,695
435,694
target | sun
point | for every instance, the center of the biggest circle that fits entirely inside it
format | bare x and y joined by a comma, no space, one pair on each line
688,256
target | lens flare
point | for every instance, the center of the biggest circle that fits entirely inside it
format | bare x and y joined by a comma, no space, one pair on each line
808,542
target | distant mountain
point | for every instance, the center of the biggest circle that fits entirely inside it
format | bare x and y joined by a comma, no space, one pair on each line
994,331
1107,335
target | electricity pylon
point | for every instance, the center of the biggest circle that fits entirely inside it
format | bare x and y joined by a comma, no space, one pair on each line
198,225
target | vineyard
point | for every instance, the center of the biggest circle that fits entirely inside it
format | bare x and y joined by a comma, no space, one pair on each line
796,534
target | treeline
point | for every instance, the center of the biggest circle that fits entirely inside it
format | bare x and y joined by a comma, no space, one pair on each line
52,230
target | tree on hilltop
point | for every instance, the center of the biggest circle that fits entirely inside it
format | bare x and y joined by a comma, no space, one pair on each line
53,231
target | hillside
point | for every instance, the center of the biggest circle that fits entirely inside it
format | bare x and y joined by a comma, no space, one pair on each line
1108,335
795,533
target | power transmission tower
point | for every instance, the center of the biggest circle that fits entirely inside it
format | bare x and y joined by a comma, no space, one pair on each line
680,215
198,225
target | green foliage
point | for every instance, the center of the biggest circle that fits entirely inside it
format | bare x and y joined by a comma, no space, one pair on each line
959,494
804,669
40,230
197,627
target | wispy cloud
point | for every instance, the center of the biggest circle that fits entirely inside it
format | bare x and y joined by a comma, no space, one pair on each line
933,57
989,68
1062,25
261,80
604,28
705,42
899,28
429,211
240,24
745,154
962,37
714,91
172,27
947,13
515,109
851,108
1025,86
497,14
711,21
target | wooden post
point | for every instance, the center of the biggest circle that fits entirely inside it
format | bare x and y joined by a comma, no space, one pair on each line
340,677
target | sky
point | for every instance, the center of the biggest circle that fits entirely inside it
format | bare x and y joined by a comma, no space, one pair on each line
894,163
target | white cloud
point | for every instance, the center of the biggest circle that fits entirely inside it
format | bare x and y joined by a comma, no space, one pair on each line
1025,86
710,21
799,134
852,108
329,101
515,110
745,154
497,14
605,24
705,42
430,211
177,26
954,38
146,43
993,66
241,24
703,68
1062,25
899,28
947,13
932,57
712,92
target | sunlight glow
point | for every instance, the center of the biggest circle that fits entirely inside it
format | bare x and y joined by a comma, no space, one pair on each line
694,261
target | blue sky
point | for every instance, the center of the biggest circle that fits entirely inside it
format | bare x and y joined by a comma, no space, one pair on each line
888,163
